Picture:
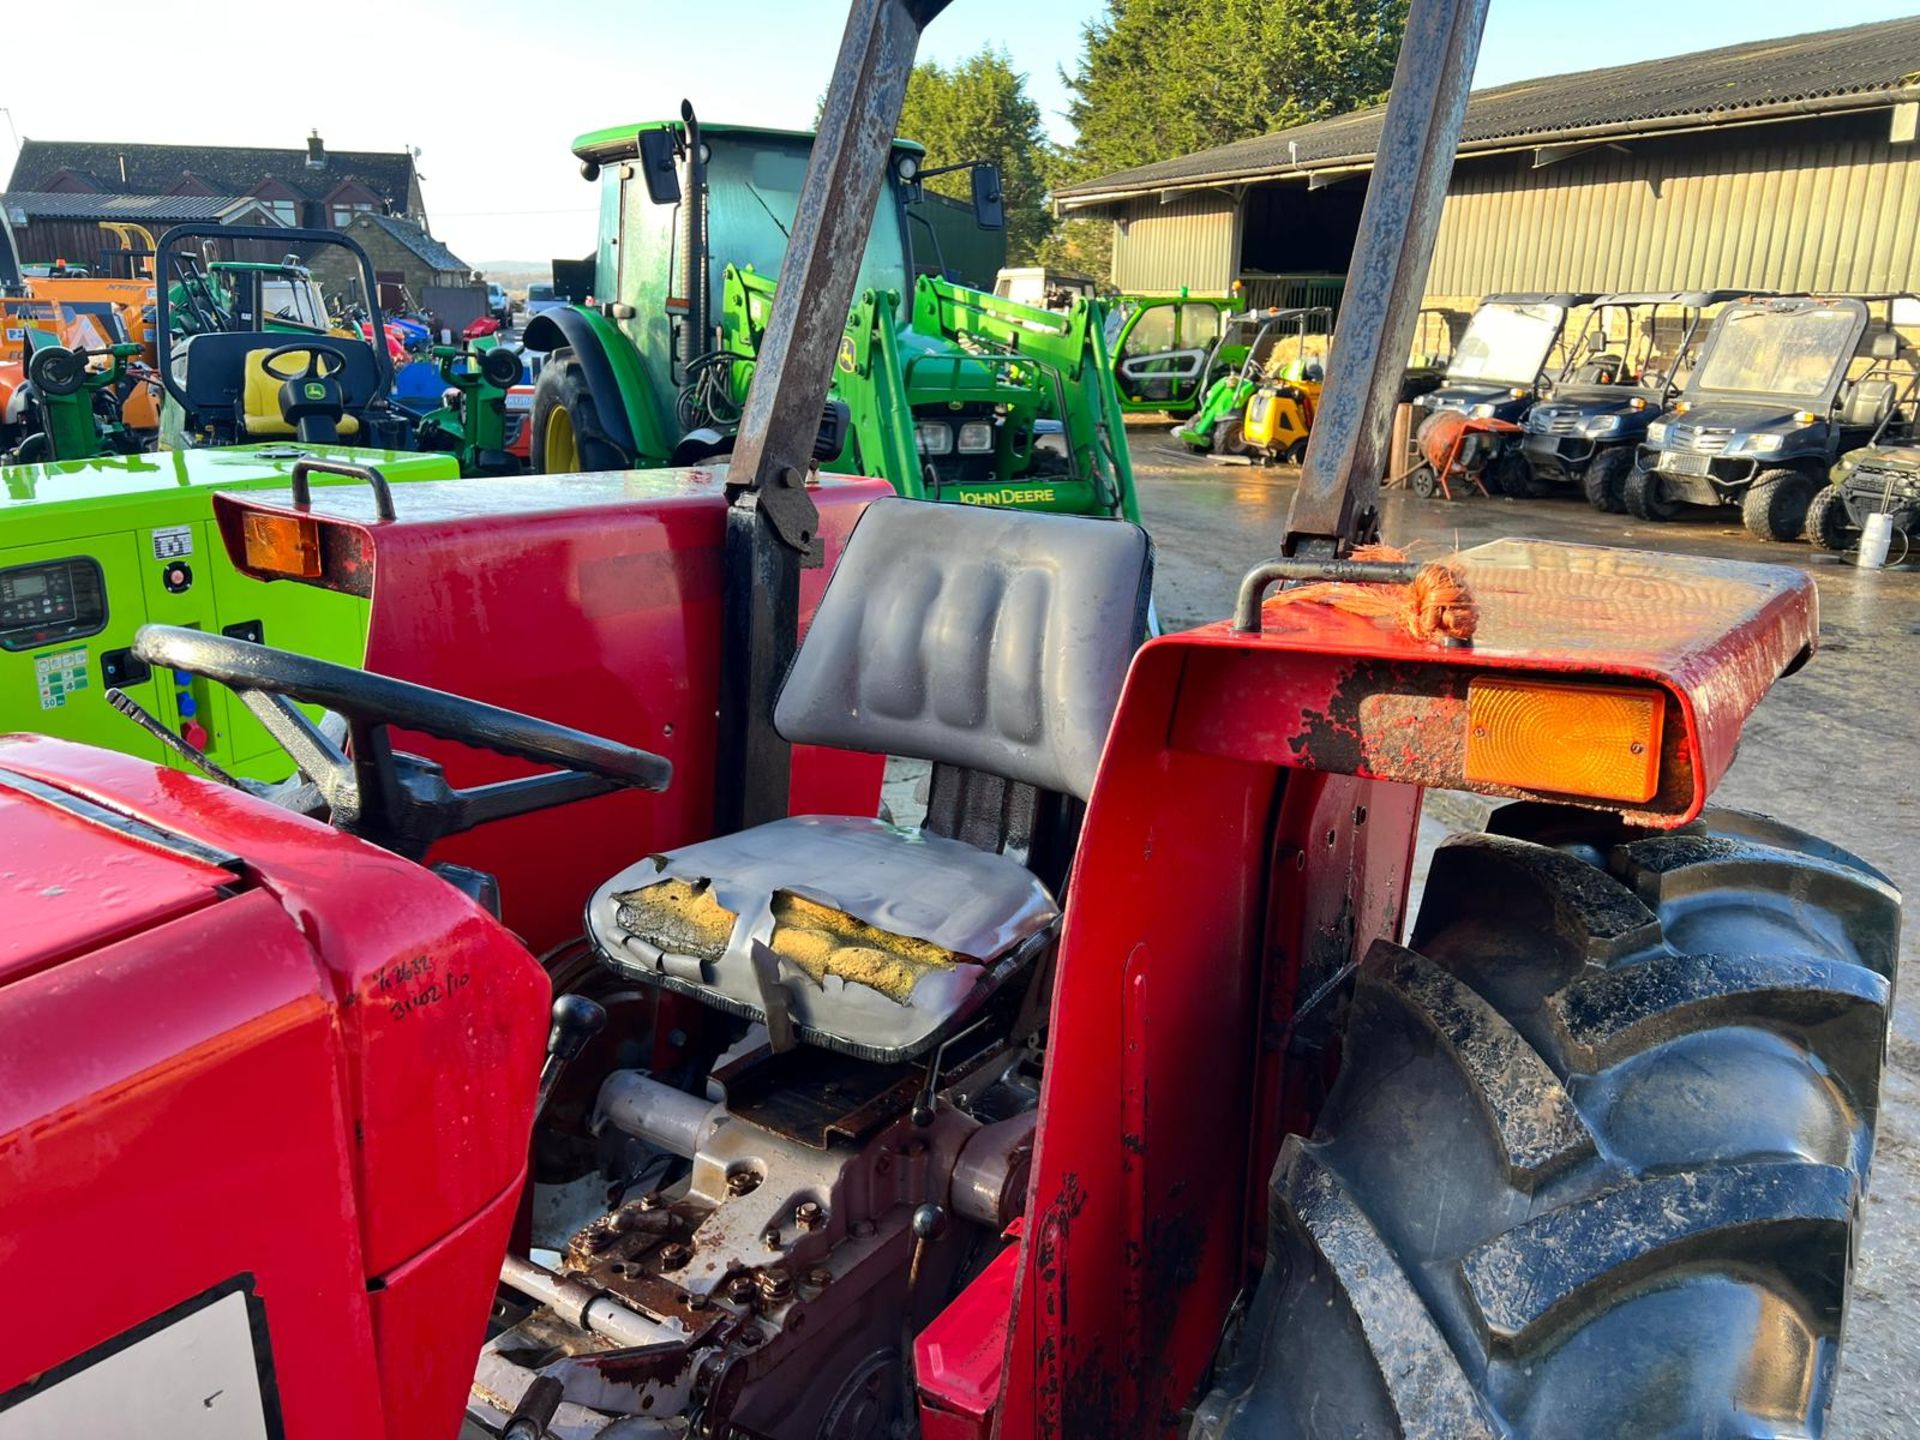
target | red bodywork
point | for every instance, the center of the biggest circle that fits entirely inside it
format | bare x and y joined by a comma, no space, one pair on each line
256,1041
318,1061
1235,860
590,600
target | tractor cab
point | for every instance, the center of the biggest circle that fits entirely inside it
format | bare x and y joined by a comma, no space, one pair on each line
945,391
246,353
1785,387
1631,356
1166,349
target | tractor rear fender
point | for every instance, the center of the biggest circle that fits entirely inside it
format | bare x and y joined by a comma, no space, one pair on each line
1250,836
613,372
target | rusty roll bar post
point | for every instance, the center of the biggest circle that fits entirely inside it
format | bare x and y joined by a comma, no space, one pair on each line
772,524
1334,508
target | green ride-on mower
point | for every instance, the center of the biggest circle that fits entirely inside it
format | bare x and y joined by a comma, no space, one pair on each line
1786,387
946,393
1275,345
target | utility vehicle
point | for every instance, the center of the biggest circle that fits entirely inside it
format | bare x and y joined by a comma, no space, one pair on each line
1283,358
1880,478
1167,350
1495,373
1785,387
1626,365
1111,1100
947,393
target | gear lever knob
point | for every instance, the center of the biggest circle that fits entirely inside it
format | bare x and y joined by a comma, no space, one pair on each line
576,1020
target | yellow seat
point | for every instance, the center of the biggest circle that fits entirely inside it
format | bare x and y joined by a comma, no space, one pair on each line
262,398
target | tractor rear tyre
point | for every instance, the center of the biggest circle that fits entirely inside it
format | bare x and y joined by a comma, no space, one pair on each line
1645,496
1776,502
1828,525
567,435
1229,436
1605,482
1597,1146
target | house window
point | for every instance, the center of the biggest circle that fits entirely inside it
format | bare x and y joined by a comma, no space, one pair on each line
343,212
284,211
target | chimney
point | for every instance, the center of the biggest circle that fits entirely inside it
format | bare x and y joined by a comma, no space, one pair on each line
316,152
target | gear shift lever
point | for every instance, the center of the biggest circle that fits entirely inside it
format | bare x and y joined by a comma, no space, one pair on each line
576,1020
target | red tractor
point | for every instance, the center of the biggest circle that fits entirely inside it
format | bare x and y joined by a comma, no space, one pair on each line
613,1075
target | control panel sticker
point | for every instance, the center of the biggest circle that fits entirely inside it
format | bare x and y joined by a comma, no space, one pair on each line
60,675
170,542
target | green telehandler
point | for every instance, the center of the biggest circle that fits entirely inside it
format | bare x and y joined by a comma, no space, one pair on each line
945,392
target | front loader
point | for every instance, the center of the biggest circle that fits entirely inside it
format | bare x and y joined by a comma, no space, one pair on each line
949,393
1115,1097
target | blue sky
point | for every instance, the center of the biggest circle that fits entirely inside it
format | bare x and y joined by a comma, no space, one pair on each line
493,91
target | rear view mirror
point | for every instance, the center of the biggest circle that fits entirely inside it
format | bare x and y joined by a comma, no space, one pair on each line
1596,342
989,206
659,166
1886,345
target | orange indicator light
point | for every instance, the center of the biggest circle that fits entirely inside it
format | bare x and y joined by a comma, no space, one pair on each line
282,545
1602,742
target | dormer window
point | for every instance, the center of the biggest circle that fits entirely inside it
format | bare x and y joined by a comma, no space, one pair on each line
344,211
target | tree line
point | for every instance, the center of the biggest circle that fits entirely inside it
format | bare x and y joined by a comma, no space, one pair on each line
1154,79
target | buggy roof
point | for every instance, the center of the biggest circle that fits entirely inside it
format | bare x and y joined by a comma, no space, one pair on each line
1563,299
1692,299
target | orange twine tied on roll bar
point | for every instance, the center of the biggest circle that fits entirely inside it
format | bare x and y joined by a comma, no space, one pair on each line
1436,605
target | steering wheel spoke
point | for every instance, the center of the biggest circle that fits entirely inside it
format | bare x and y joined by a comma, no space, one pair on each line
400,801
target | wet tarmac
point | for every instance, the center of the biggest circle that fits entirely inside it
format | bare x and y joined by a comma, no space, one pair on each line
1834,750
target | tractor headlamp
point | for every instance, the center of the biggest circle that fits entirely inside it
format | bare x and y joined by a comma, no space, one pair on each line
907,166
933,438
976,437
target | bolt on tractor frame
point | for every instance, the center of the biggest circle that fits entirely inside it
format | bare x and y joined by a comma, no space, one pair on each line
1116,1098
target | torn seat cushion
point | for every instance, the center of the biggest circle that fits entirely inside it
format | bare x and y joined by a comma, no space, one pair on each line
882,936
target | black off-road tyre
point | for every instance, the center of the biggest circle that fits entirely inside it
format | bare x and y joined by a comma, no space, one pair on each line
1508,473
563,386
1605,482
1645,496
1775,505
1423,482
1593,1163
1229,436
1828,525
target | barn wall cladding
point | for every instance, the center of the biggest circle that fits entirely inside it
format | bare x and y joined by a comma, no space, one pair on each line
1192,240
1828,205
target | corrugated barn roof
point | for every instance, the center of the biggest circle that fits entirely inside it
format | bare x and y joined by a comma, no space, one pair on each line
1831,70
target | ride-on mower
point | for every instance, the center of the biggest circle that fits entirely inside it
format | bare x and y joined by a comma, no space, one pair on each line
1495,373
1111,1100
1785,387
1279,375
1623,369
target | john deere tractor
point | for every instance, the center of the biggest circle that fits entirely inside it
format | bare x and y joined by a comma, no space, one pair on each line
945,392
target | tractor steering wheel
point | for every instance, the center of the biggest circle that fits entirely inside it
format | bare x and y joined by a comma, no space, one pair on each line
398,801
315,353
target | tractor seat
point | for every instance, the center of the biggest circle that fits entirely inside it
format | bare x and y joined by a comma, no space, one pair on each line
989,642
260,415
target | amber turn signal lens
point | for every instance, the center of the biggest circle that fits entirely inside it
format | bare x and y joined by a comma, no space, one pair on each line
282,545
1599,741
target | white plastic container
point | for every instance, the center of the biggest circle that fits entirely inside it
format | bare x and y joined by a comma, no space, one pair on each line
1876,538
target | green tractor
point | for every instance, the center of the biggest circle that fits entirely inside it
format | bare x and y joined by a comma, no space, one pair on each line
947,393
